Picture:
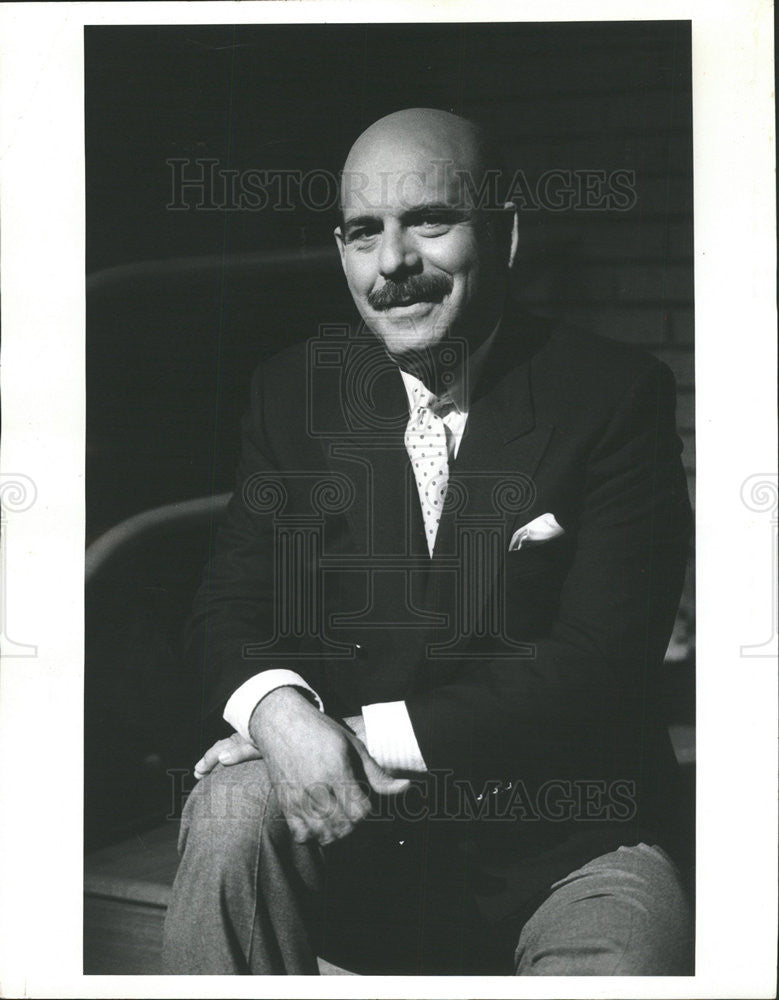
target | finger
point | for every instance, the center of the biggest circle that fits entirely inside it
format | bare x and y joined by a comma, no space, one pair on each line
210,759
354,802
238,750
320,801
328,833
353,805
324,813
306,812
379,780
322,831
299,830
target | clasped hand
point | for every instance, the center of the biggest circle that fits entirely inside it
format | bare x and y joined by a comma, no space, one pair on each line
319,769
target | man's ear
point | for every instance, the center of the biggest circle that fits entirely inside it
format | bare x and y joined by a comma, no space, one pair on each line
511,210
339,239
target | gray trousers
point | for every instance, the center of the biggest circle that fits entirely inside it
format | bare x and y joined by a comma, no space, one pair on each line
248,900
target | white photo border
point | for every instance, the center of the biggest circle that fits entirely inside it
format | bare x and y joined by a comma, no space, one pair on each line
43,314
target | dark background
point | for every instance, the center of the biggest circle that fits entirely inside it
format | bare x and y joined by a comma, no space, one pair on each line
181,304
172,338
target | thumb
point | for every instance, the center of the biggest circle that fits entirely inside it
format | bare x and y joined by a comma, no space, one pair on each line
379,780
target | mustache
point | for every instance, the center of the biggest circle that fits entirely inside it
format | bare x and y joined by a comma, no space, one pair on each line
415,288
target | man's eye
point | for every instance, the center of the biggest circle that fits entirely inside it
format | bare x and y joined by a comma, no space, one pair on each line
434,224
360,235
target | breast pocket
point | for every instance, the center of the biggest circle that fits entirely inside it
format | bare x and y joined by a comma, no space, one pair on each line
550,557
533,578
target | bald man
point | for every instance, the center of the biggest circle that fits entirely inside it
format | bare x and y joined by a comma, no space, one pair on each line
460,767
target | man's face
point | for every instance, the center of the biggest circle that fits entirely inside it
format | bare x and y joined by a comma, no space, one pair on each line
420,262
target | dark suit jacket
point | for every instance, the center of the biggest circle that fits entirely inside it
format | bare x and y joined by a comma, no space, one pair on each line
533,670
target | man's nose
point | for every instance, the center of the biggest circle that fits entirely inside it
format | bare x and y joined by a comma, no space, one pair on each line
397,253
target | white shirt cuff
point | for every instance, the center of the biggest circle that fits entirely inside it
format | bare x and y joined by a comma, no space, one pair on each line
244,700
390,739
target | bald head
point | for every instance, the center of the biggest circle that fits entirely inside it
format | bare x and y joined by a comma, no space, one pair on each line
438,125
456,150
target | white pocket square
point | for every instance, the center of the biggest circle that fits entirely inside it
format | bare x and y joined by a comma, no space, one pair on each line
540,529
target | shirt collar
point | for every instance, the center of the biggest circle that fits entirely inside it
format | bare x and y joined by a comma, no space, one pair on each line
462,387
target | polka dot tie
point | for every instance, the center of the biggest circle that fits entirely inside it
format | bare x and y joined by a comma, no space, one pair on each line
427,449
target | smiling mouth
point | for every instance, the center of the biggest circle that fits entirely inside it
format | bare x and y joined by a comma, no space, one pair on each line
410,303
405,302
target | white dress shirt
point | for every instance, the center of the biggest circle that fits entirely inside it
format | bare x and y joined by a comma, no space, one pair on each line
389,735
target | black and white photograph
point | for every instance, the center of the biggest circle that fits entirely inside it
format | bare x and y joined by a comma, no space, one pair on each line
393,656
439,639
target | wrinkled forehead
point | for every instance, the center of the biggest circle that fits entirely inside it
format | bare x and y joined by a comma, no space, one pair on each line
392,175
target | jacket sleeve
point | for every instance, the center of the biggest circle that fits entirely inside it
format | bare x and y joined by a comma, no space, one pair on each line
235,611
616,610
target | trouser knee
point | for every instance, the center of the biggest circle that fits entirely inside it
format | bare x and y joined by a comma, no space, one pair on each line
624,913
228,819
228,811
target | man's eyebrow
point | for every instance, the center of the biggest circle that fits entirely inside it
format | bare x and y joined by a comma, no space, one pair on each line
436,207
412,212
361,220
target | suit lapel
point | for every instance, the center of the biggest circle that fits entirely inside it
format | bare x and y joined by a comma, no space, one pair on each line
492,476
366,420
491,488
